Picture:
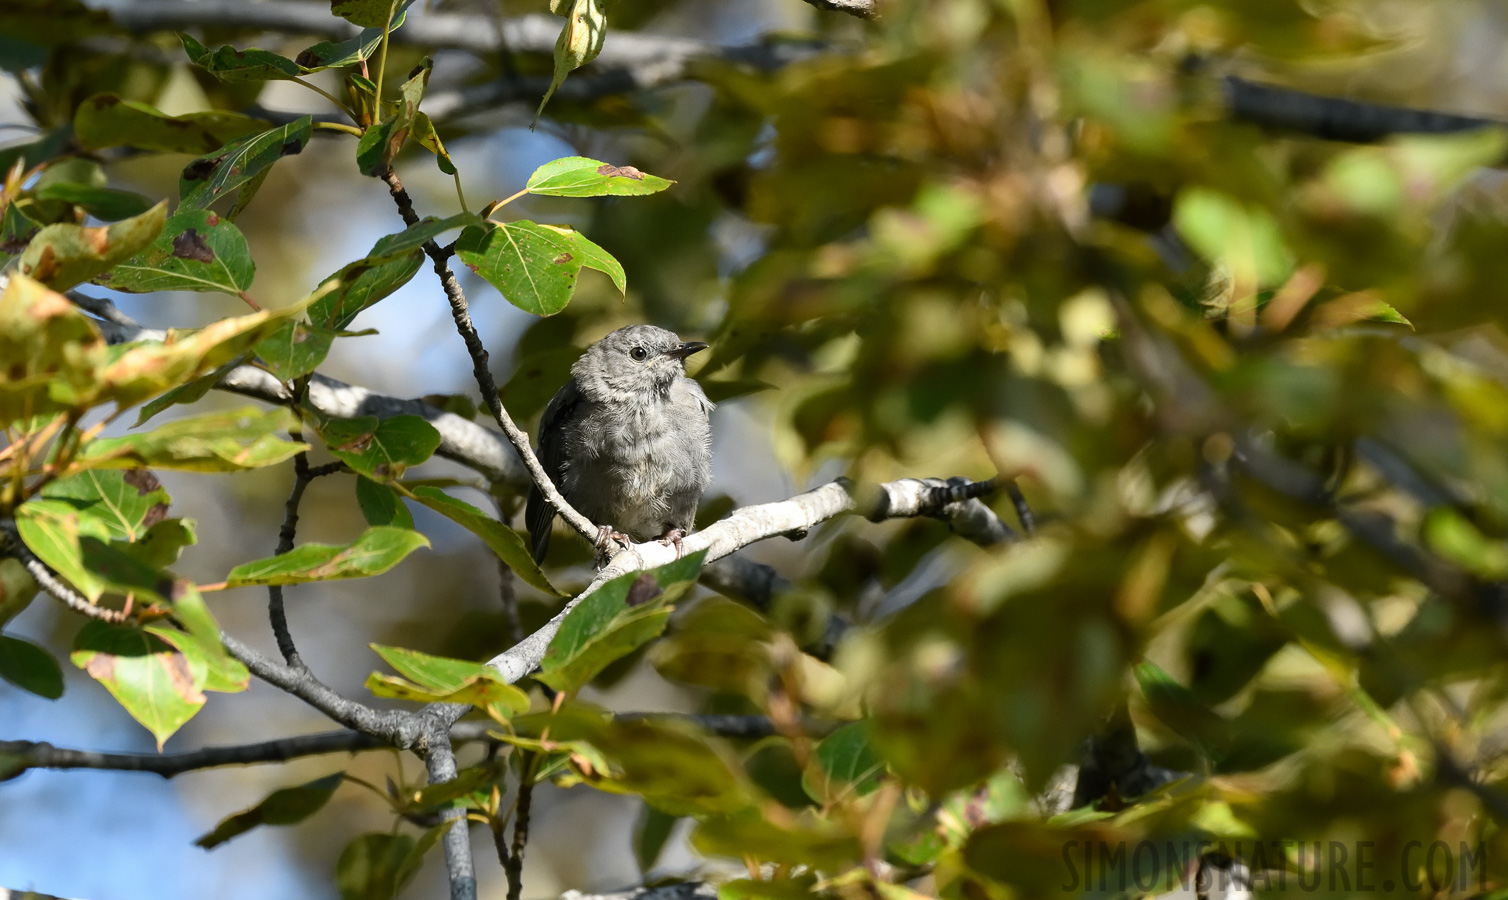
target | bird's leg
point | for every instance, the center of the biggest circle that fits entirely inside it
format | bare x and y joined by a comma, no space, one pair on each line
673,535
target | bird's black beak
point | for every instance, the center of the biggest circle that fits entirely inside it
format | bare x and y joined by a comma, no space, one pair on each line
687,349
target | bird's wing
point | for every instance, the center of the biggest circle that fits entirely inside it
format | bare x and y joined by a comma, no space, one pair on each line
552,455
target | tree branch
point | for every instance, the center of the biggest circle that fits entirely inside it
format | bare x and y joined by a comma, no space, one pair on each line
740,528
18,756
399,728
440,762
461,440
1335,118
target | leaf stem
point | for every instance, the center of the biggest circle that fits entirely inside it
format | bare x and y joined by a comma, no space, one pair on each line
327,95
339,126
387,28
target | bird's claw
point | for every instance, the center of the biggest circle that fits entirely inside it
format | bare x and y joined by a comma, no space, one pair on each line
673,536
606,536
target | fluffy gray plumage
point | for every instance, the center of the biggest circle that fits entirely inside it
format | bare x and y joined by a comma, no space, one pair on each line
627,440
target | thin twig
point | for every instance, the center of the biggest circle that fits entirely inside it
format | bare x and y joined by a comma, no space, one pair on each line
480,371
513,865
12,545
286,535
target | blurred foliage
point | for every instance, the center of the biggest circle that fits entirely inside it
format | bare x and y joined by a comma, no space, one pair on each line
1253,385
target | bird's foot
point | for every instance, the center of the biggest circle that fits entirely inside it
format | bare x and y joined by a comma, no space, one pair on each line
673,536
606,537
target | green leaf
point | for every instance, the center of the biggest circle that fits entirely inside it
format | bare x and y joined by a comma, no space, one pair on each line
295,349
231,65
239,162
54,530
577,176
188,392
197,250
199,640
30,667
437,672
534,266
286,806
52,353
366,13
381,449
373,866
613,621
362,284
847,766
425,135
148,677
417,235
64,255
101,202
106,120
509,546
378,549
227,441
125,503
381,505
380,144
436,679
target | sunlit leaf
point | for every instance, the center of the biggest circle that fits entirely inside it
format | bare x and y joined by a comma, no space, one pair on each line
378,549
535,267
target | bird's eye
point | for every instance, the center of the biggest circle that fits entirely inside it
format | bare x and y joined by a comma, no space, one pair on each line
638,353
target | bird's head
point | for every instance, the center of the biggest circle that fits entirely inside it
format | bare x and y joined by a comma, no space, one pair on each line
639,360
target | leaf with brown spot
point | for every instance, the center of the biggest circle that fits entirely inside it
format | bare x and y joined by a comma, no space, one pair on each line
189,245
160,687
196,251
578,176
64,255
609,171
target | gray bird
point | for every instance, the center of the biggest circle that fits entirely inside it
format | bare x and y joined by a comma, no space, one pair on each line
627,440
